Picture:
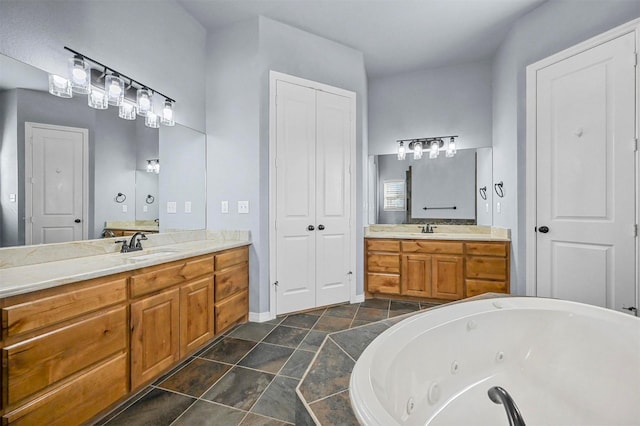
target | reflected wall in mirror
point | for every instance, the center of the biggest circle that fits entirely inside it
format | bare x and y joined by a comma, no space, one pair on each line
432,188
118,151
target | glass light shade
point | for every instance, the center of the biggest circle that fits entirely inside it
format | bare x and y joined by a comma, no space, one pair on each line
114,88
144,101
59,86
167,114
156,167
433,149
149,166
79,75
97,99
402,151
127,111
417,150
152,120
451,148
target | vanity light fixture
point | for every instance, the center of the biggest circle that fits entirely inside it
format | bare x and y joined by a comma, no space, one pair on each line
59,86
433,145
79,75
402,151
153,166
105,86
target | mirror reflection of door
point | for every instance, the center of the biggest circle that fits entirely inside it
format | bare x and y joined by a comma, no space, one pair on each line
56,166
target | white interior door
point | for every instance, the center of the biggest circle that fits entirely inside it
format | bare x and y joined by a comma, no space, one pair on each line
295,197
585,176
56,176
333,198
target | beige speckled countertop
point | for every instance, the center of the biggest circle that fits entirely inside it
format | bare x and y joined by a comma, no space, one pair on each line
31,268
441,232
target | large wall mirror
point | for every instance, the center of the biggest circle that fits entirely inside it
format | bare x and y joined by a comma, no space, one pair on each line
117,185
455,190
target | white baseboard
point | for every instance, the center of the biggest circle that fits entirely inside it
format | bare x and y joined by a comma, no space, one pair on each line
358,298
259,316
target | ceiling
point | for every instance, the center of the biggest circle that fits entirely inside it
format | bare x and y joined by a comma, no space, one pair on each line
394,35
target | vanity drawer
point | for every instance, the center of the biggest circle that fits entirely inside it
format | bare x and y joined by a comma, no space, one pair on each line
77,300
231,310
436,247
78,400
383,245
487,249
156,278
231,257
231,281
486,267
36,363
476,287
389,263
383,283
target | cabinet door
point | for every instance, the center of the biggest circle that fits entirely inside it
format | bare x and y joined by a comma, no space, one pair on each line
416,275
447,277
155,337
196,314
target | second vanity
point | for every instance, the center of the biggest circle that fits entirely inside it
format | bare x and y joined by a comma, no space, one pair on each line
451,263
82,333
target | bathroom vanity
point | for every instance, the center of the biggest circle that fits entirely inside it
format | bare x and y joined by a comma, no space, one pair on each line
76,344
452,263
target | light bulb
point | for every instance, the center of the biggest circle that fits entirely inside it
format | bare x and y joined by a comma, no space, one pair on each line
402,151
167,114
143,101
417,150
433,151
79,74
451,148
114,88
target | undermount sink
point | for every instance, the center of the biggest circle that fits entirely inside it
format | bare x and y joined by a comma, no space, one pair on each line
151,255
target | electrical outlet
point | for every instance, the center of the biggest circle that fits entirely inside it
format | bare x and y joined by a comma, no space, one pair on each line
12,198
224,206
172,207
187,206
243,207
145,209
124,208
498,207
486,207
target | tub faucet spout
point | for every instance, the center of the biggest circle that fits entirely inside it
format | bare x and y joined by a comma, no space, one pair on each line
501,396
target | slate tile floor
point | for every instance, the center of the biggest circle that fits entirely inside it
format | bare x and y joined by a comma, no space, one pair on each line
248,375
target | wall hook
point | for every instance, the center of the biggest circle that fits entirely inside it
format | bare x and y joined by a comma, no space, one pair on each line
498,187
483,192
120,197
150,199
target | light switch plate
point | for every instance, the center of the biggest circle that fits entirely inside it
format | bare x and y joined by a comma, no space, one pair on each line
224,206
145,209
172,207
187,206
243,207
498,207
124,208
12,198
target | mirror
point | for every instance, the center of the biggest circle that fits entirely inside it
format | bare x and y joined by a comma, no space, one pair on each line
440,190
118,151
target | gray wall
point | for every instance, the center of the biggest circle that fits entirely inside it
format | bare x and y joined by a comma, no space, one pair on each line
239,61
550,28
454,100
484,177
8,168
161,45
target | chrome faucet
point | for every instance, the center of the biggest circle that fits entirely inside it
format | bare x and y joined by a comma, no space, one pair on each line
428,229
501,396
132,245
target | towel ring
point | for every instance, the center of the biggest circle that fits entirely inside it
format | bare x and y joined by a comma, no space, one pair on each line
498,188
120,197
150,199
483,192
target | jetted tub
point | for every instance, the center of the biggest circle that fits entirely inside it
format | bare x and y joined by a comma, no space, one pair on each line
563,363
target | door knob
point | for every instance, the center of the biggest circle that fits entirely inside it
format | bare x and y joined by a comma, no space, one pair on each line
543,229
321,227
311,227
77,221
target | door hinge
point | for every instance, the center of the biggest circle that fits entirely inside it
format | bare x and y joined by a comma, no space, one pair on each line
636,145
276,283
635,230
634,59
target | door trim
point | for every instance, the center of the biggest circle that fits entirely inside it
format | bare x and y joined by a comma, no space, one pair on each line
531,144
28,169
274,76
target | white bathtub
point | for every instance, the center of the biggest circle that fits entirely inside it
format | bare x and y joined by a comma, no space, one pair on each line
563,363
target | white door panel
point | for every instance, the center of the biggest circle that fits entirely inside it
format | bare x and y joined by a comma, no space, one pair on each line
56,184
585,176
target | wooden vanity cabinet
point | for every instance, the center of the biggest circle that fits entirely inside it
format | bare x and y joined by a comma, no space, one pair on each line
64,354
231,288
433,269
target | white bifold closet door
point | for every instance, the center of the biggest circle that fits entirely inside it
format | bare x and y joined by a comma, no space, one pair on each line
313,195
